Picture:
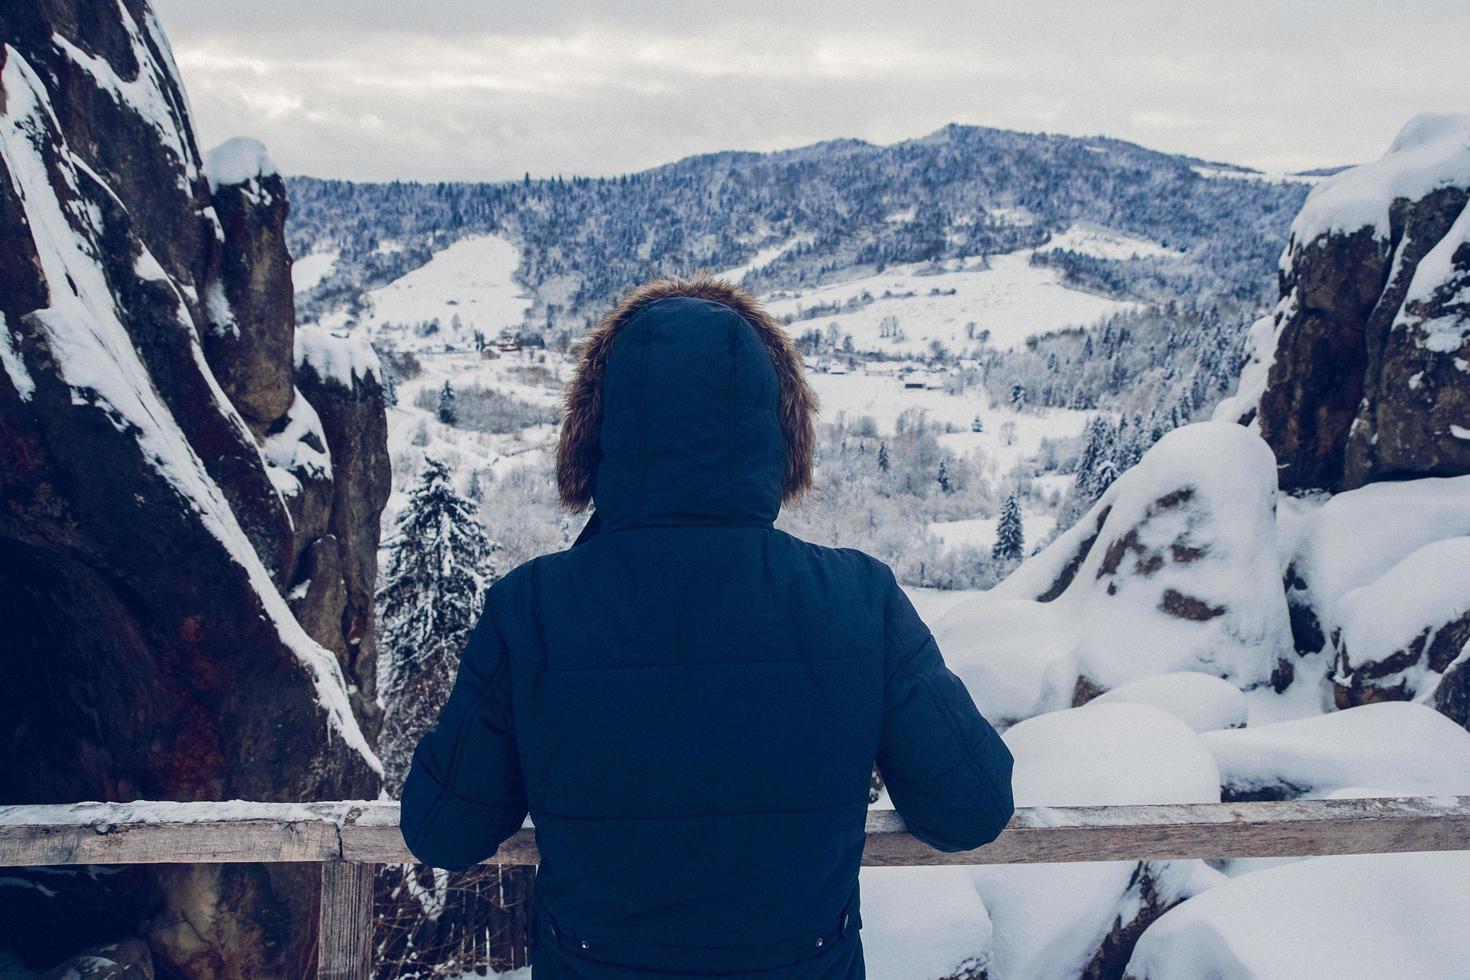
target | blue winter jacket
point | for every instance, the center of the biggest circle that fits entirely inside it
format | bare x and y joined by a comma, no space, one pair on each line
689,702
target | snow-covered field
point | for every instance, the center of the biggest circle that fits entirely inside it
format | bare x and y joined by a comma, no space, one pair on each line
466,287
1003,298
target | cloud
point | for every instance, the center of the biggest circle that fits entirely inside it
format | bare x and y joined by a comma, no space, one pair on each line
454,89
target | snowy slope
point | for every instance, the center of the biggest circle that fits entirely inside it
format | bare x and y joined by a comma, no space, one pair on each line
1004,297
466,287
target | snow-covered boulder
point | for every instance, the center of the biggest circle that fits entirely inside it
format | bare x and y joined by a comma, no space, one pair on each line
1348,917
1069,920
1376,585
1369,377
1396,747
1174,569
1204,702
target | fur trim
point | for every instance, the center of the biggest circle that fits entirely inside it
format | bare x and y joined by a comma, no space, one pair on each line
580,449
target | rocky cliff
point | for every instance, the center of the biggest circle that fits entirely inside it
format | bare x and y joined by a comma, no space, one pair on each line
1364,372
191,492
1360,383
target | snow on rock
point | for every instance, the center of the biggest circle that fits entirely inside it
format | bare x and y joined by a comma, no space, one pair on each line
237,161
297,449
1174,569
345,359
1432,150
1373,577
1057,920
1102,754
923,924
1396,746
1204,702
1401,631
13,364
1349,917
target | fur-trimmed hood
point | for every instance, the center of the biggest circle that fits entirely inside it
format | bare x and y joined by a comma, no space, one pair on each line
689,405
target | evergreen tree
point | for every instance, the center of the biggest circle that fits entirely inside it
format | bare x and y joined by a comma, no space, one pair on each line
1018,396
943,478
883,463
976,425
1010,541
390,389
1097,449
439,565
447,413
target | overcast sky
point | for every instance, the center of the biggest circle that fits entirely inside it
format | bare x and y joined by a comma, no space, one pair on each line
478,90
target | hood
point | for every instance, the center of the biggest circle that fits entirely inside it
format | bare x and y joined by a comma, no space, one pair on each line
700,413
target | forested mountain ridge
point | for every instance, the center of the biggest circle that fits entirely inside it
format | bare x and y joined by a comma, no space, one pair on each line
800,217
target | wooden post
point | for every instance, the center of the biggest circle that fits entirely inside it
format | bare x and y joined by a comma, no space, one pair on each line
345,923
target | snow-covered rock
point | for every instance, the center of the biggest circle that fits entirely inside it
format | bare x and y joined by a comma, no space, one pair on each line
1067,920
1174,569
1204,702
1376,580
150,426
1397,747
238,161
924,924
1370,378
1348,917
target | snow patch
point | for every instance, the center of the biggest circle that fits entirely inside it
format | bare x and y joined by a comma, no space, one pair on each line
1004,295
466,287
237,161
1104,243
1349,917
14,366
309,270
299,447
1432,150
345,359
1399,746
1204,702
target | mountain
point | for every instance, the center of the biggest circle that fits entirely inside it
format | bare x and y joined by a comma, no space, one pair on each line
801,218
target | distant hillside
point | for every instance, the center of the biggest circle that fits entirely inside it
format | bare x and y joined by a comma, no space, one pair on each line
821,213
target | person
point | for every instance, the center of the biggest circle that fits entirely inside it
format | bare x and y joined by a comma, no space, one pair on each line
688,701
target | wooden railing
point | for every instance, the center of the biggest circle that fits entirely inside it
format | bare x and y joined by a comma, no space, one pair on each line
349,839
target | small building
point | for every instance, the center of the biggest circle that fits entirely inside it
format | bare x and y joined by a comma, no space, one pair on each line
508,340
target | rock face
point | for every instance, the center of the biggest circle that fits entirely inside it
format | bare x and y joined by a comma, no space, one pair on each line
1371,372
171,472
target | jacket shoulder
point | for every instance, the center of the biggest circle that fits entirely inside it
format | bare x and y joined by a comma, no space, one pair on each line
872,570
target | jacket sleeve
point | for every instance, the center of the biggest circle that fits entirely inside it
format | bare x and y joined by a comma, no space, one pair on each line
946,769
464,794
